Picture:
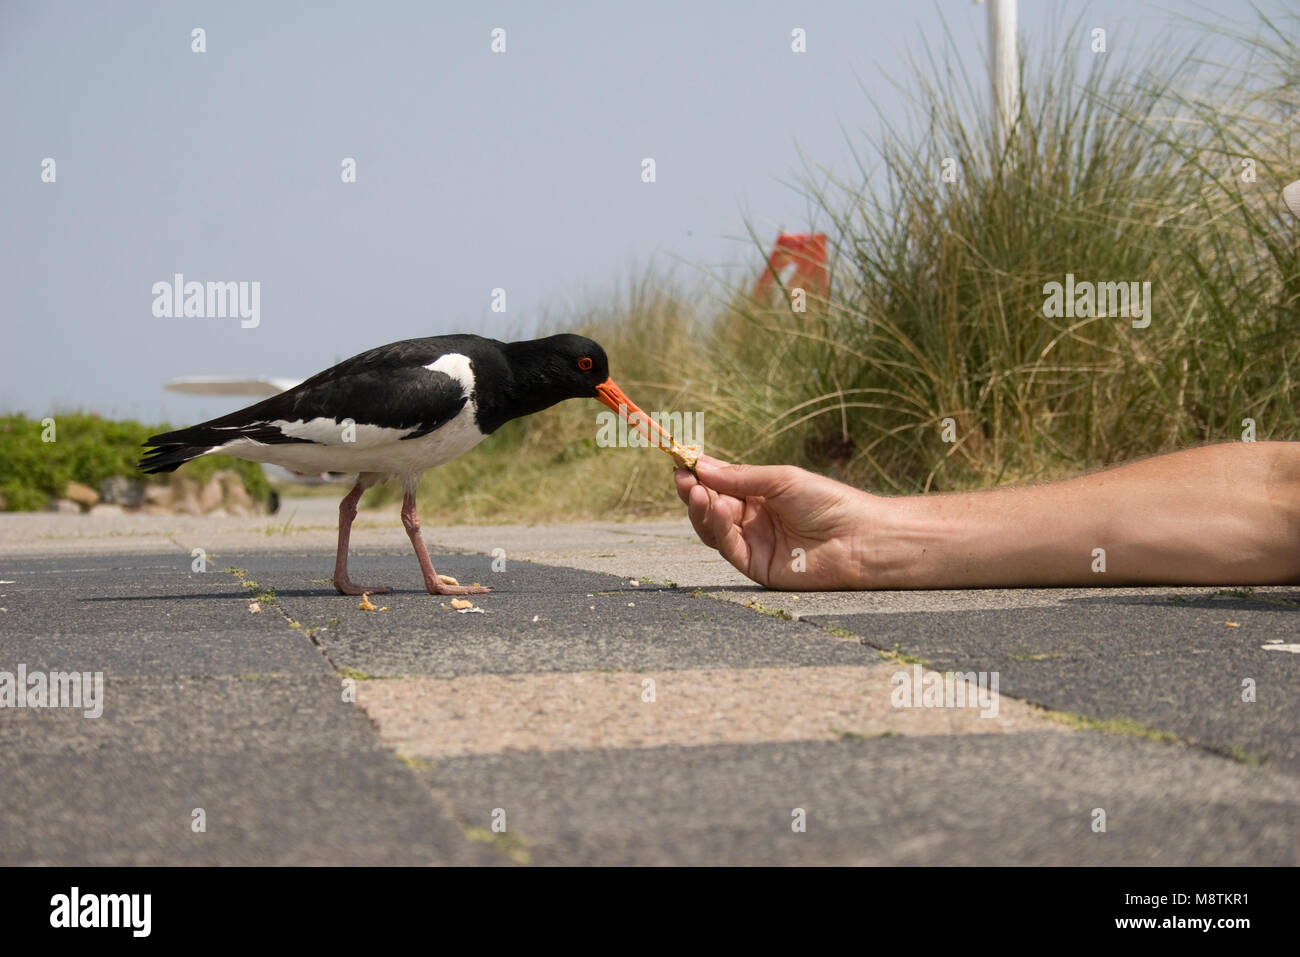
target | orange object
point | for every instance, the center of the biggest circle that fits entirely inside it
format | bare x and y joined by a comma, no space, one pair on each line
807,253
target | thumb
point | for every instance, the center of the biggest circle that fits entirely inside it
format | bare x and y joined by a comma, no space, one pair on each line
744,480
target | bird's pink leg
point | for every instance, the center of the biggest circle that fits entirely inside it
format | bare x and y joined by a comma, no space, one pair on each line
347,513
431,582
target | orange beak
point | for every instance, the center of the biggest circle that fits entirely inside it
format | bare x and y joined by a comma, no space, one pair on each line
614,397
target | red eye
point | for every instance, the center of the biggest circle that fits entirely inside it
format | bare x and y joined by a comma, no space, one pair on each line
584,363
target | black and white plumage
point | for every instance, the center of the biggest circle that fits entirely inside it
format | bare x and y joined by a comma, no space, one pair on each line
397,410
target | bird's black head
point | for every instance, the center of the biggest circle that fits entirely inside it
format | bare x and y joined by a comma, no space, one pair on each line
556,368
549,370
578,365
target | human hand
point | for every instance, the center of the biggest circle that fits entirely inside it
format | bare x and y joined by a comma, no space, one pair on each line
756,516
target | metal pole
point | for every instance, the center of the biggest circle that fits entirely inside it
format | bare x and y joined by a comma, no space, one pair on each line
1004,69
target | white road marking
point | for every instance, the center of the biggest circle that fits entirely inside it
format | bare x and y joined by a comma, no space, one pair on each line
1294,649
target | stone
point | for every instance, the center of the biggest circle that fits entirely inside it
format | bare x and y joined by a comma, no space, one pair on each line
107,508
82,494
185,495
159,496
120,490
236,497
63,506
210,496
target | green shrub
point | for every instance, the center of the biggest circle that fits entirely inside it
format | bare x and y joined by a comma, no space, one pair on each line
89,449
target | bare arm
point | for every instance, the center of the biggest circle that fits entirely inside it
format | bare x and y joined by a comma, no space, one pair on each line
1222,514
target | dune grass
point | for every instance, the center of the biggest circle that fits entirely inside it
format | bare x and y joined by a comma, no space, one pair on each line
937,309
935,314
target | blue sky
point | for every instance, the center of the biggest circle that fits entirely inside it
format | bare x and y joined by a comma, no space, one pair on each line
475,170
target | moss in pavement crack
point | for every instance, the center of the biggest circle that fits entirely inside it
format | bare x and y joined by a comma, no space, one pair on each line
838,632
263,594
1126,726
773,612
356,675
901,658
511,845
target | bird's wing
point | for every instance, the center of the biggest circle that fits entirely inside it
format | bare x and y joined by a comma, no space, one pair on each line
382,402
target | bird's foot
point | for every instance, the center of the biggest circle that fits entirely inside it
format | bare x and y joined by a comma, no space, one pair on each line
437,587
345,587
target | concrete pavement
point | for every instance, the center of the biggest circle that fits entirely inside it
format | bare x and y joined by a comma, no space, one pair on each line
615,701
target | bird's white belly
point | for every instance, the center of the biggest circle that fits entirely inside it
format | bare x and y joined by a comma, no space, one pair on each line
335,447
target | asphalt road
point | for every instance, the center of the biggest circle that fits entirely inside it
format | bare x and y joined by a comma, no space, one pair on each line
582,718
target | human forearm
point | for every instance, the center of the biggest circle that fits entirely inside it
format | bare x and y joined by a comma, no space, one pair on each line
1224,514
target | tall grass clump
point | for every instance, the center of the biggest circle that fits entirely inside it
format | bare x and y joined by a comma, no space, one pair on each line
936,305
930,363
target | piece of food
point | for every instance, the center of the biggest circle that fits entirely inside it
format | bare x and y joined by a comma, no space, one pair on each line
459,603
686,456
683,456
366,603
447,580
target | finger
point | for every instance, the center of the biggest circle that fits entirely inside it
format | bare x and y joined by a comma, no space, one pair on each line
745,480
699,505
685,482
716,519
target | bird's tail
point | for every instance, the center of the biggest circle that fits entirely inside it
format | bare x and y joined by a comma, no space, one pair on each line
170,450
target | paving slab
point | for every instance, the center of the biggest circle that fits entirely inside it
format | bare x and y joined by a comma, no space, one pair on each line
539,618
165,715
262,808
527,707
1172,666
431,717
975,799
284,769
137,615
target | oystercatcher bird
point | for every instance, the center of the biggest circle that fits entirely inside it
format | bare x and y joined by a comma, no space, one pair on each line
397,410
